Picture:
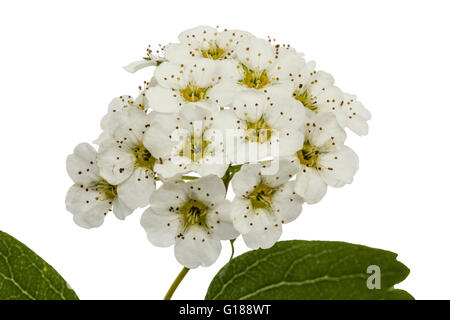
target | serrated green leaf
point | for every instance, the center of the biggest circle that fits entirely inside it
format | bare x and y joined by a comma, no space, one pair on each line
309,270
25,276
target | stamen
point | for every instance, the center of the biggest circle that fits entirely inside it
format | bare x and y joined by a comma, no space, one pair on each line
108,191
194,212
309,155
193,93
258,131
255,79
261,197
194,148
306,99
213,52
144,158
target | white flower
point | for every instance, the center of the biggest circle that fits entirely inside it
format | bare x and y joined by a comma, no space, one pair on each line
140,64
263,203
263,67
91,197
262,126
317,92
323,160
205,42
179,85
149,61
187,141
219,105
193,216
118,105
356,116
124,161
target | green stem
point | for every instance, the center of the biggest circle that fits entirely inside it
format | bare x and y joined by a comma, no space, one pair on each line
232,249
189,178
176,283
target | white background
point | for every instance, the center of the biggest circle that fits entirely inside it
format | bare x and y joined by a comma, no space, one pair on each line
61,65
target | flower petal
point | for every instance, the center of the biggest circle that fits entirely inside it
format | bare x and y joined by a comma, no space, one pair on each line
179,53
250,105
197,248
87,207
220,222
169,75
280,88
138,65
168,197
256,54
229,39
228,70
287,204
286,66
223,93
356,115
82,165
164,100
284,112
329,99
246,179
323,131
210,190
116,164
318,81
120,209
339,167
290,141
302,78
120,103
128,126
196,117
310,185
161,229
242,215
286,117
226,121
136,190
169,168
286,170
141,101
198,35
209,166
202,73
158,137
117,104
264,233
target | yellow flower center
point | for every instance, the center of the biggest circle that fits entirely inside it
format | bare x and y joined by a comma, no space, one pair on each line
194,148
193,93
144,158
308,155
306,99
255,79
261,197
194,212
258,131
108,191
213,52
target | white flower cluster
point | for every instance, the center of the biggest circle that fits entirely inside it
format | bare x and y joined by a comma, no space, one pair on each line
221,107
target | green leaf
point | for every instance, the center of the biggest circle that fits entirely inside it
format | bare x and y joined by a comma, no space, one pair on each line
298,270
25,276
